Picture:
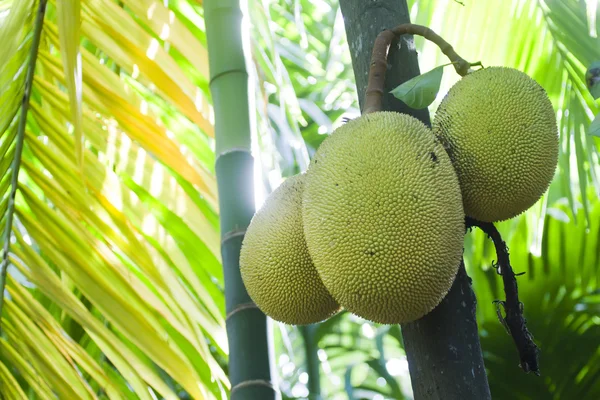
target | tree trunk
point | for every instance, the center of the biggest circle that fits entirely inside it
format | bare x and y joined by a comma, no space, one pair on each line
247,327
443,348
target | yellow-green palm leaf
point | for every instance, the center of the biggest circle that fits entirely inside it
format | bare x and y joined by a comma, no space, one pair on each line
114,286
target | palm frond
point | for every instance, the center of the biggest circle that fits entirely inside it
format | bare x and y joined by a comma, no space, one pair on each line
115,288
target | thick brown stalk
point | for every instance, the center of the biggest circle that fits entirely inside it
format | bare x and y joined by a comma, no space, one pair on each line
377,70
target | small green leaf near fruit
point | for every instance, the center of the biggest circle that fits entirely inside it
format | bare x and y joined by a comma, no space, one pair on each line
420,91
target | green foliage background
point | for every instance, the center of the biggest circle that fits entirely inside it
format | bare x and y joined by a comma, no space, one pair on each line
115,288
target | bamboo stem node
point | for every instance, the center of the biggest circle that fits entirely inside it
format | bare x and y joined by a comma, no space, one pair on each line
240,307
254,382
231,150
232,234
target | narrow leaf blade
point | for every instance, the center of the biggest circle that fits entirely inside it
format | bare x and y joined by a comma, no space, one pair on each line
69,22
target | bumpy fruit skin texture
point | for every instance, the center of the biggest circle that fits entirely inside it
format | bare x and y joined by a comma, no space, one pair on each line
500,131
383,217
275,264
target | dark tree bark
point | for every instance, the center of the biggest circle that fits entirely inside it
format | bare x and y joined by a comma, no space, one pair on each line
364,20
443,348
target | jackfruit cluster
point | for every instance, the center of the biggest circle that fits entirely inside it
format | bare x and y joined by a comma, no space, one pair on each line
376,224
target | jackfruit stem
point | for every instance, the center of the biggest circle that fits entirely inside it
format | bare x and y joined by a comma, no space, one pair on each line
514,321
374,92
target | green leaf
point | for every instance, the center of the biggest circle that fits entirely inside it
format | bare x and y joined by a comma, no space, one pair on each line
420,91
594,129
348,382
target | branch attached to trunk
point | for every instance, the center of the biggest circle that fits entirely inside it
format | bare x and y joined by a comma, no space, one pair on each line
514,321
374,93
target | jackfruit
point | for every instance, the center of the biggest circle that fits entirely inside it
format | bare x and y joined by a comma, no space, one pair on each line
275,265
499,128
383,217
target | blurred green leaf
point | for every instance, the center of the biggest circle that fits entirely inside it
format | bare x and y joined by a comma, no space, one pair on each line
592,79
594,128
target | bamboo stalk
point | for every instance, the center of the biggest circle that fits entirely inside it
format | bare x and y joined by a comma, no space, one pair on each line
247,327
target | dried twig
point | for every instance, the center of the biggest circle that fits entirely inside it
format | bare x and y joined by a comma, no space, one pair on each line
513,321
